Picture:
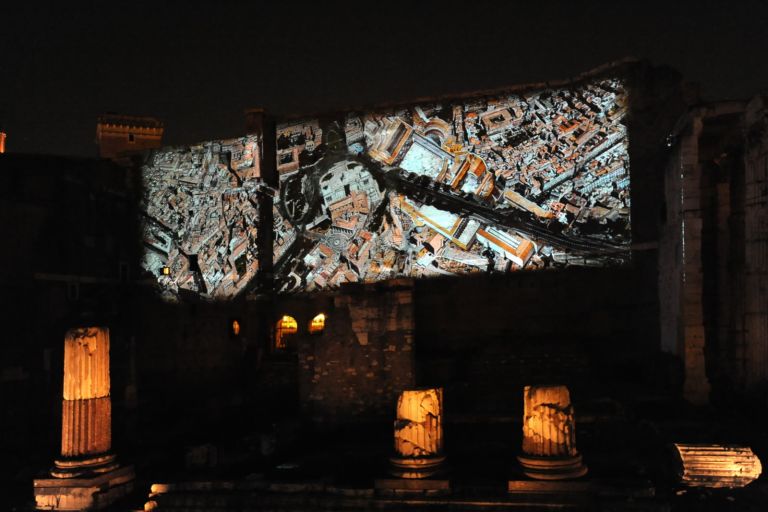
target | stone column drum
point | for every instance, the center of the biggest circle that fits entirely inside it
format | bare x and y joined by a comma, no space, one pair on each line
86,476
418,434
713,465
549,435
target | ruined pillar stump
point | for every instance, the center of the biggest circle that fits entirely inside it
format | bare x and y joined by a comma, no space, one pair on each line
86,475
418,434
549,435
711,465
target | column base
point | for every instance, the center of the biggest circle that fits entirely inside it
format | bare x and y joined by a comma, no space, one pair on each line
410,467
93,492
552,468
72,468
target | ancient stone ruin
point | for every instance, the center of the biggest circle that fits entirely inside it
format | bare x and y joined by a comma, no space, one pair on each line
712,465
549,435
87,475
418,434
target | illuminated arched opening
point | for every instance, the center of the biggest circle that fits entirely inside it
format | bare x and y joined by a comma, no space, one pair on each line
235,328
317,324
285,327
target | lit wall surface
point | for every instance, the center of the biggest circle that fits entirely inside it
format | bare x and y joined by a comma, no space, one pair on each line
482,184
201,217
499,183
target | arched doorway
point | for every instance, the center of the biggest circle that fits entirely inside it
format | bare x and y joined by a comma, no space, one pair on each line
286,326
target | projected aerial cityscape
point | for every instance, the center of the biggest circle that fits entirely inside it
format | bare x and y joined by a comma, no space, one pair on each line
496,183
201,217
485,184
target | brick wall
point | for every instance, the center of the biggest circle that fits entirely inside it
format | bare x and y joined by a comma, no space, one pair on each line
364,358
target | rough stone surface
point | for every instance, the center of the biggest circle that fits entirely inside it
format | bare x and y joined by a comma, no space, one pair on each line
91,493
701,257
419,423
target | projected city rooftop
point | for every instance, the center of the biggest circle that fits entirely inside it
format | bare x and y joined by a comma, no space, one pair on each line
485,184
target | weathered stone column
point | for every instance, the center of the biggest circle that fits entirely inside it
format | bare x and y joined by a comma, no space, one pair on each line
86,408
86,476
418,434
549,435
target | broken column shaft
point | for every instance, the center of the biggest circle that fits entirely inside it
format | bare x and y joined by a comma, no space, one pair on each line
549,435
86,416
418,434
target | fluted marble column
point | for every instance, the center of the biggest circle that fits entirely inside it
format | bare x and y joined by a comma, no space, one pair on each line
86,423
549,434
86,476
418,433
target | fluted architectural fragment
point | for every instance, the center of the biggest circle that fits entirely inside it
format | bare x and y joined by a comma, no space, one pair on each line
86,418
549,434
711,465
86,427
419,425
548,424
418,433
86,363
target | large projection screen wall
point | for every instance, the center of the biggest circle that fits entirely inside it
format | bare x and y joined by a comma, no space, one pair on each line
500,183
201,218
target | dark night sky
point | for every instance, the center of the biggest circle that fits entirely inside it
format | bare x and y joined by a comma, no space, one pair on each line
198,65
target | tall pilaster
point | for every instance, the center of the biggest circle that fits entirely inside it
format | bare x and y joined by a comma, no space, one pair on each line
756,245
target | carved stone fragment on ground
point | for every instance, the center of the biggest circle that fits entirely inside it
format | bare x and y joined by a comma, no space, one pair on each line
712,465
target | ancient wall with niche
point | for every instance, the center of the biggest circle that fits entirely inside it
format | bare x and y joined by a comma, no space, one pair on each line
485,337
355,369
